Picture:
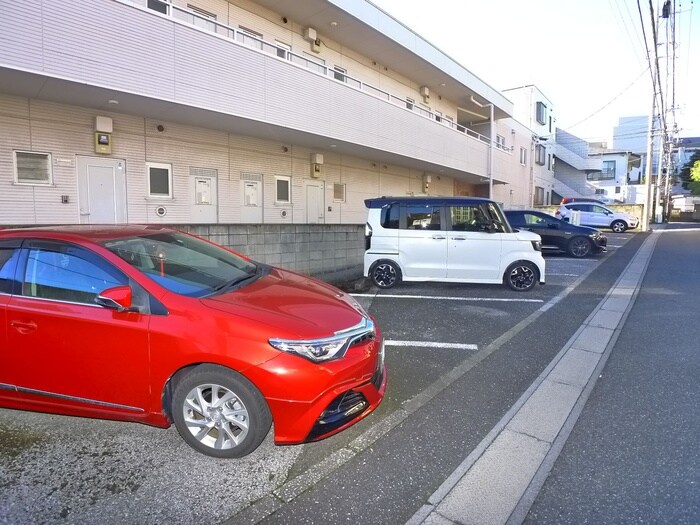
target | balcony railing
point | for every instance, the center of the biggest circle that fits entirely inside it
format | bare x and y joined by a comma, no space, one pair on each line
245,38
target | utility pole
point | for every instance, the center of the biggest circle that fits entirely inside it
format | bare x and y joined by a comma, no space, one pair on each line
648,167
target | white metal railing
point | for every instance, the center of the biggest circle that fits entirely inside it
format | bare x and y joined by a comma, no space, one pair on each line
190,17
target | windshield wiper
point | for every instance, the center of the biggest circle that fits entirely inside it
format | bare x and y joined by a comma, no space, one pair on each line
233,283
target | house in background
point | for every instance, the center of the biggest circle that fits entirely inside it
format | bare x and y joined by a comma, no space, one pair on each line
263,125
592,170
620,179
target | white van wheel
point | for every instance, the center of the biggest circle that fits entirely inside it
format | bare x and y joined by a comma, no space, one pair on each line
521,276
385,274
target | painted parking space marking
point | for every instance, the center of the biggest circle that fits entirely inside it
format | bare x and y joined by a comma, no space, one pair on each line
443,298
430,344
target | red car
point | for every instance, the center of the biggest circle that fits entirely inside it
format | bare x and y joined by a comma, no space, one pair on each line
149,324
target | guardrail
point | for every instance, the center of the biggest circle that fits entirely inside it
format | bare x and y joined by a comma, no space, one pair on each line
239,36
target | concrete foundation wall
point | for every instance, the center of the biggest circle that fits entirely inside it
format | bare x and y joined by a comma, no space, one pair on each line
332,251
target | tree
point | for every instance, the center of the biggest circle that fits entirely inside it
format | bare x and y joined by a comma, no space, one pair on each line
685,170
694,184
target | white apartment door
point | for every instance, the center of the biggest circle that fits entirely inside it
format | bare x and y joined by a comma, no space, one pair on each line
204,189
102,190
252,201
314,202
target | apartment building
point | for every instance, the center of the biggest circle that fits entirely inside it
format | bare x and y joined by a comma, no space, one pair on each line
260,124
536,112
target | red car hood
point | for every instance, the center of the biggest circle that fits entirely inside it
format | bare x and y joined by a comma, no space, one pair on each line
295,306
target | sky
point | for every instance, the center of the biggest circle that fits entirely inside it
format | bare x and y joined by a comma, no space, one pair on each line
588,58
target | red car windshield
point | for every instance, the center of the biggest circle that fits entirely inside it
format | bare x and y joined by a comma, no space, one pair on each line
184,264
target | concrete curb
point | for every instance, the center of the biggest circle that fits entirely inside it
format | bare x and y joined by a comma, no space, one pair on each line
498,482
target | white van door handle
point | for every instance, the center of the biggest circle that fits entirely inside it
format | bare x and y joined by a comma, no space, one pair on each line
438,237
459,238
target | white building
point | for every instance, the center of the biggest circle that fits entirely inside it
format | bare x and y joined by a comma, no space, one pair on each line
263,125
536,112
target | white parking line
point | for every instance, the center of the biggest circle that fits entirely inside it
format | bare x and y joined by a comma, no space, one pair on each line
439,298
429,344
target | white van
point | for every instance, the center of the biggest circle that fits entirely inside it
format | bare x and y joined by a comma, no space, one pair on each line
450,239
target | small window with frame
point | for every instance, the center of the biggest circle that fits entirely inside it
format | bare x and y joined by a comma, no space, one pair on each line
541,113
160,180
340,74
339,192
283,50
33,168
283,190
540,154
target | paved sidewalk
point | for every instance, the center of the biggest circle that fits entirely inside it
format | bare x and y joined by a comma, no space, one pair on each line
500,479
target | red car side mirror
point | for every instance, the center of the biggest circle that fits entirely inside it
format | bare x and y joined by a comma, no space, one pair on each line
117,298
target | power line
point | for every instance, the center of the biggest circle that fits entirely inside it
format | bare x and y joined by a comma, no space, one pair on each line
610,101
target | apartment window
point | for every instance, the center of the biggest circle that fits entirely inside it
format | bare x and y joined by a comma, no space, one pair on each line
500,141
160,180
201,12
339,192
410,103
340,74
438,115
282,189
249,37
540,154
550,124
33,168
541,113
523,156
158,5
549,162
539,196
283,50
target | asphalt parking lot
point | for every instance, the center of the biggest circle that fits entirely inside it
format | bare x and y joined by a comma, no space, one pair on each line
55,468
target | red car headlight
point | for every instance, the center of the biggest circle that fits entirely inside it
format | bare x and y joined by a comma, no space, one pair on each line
326,348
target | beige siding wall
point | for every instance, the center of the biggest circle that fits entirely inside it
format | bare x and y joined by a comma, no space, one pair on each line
67,132
271,26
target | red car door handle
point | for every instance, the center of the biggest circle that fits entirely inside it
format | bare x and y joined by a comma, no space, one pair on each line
24,327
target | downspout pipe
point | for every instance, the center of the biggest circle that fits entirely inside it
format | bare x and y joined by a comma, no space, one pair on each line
491,142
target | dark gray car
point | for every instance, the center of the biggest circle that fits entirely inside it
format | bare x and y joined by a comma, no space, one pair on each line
577,241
